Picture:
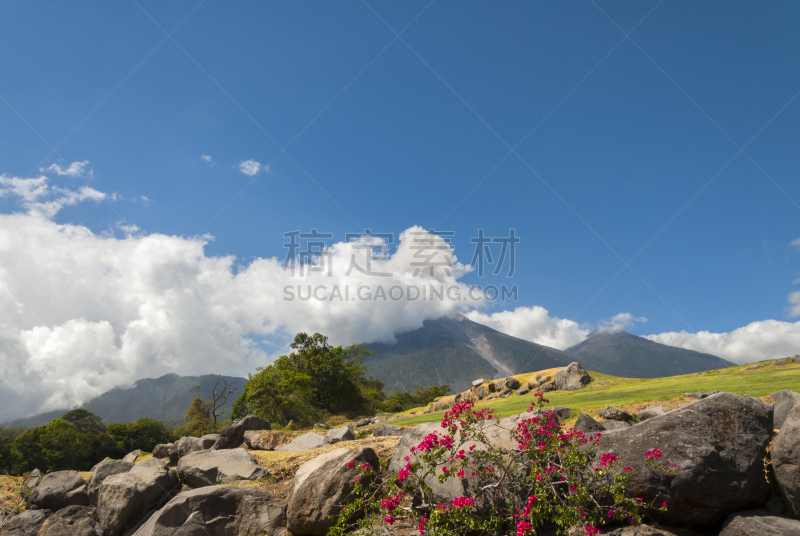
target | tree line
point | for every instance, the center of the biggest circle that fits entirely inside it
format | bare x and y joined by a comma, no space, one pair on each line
309,385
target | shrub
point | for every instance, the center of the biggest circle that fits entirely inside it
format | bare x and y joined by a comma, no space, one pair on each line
553,479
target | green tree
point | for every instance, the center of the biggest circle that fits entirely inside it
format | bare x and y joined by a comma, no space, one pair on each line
199,418
76,441
84,420
314,380
336,373
143,434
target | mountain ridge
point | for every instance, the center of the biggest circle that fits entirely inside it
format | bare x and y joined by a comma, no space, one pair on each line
455,351
620,353
165,398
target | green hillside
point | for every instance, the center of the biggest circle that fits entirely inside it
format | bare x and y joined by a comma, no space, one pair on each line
628,391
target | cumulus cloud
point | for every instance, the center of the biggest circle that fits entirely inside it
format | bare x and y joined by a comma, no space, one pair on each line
619,322
533,324
766,339
83,312
208,160
251,167
75,169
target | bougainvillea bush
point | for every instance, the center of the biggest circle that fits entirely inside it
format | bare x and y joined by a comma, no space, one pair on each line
554,479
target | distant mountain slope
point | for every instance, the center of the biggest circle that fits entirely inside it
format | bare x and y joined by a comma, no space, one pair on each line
166,399
455,351
623,354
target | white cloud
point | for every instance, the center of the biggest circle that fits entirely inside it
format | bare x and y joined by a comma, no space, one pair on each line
251,167
796,243
92,311
619,322
533,324
794,300
75,169
208,160
38,197
766,339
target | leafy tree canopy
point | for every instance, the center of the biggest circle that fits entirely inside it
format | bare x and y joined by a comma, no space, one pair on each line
315,379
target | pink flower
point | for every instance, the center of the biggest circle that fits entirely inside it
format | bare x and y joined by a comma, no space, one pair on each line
422,523
524,528
389,519
461,502
351,464
664,504
403,473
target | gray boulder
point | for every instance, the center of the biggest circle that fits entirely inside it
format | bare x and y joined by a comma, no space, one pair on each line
322,426
304,442
60,489
27,523
718,444
264,439
759,523
182,447
496,432
615,425
700,396
547,387
651,411
478,382
232,434
337,435
362,422
512,383
587,425
209,467
217,511
163,450
131,456
523,391
784,402
561,412
71,521
572,377
389,430
123,498
29,484
321,487
101,472
615,414
207,441
785,454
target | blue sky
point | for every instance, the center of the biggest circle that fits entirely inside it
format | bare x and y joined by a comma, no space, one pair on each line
659,134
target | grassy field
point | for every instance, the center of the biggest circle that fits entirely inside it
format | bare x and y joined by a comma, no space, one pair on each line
628,393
